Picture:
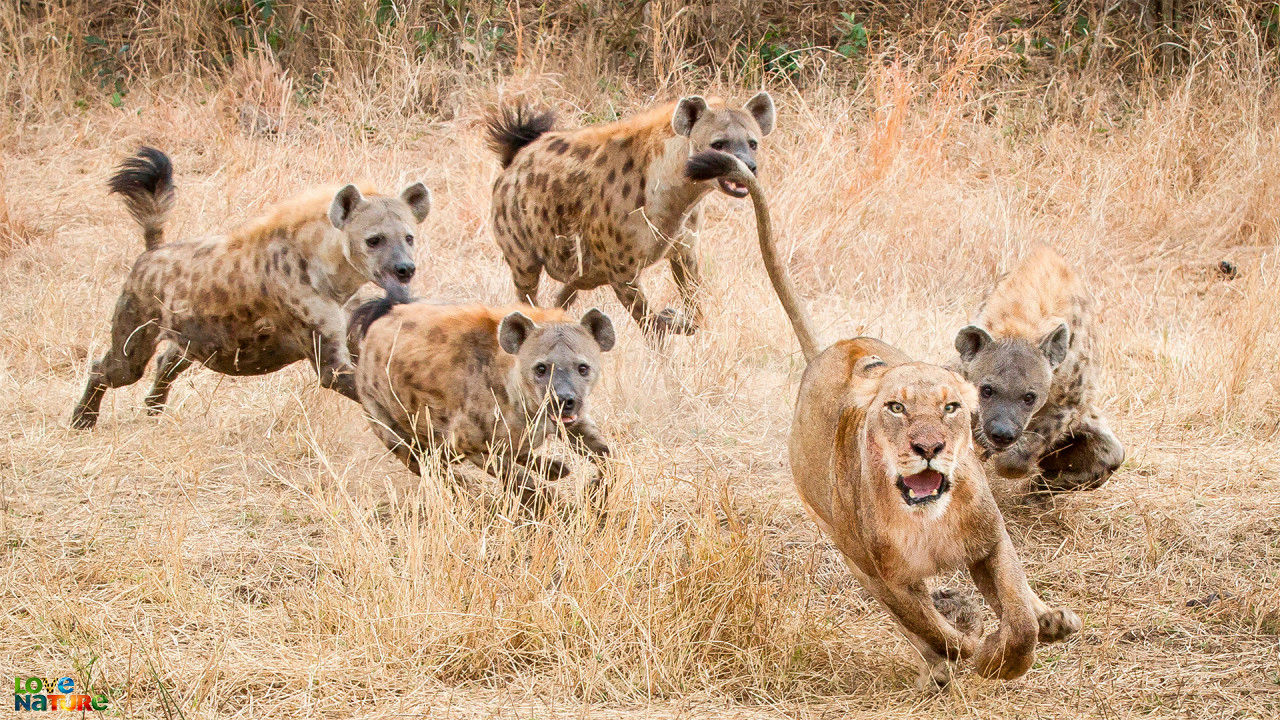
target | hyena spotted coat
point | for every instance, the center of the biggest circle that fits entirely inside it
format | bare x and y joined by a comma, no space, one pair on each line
482,384
597,205
266,294
1030,354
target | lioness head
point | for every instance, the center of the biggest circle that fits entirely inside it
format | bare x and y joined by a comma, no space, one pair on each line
917,427
727,130
380,230
558,361
1013,377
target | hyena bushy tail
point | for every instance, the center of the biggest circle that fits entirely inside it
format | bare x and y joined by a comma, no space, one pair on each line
145,181
511,128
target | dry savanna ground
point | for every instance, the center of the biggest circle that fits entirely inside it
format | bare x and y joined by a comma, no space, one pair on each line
254,552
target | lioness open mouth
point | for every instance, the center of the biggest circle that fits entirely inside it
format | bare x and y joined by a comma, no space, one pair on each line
733,188
924,486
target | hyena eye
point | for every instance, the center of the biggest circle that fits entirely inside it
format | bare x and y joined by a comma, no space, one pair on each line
584,369
895,407
408,239
951,407
1029,398
753,144
540,369
373,241
719,145
987,391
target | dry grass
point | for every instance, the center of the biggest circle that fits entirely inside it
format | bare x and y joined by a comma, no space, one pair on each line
254,552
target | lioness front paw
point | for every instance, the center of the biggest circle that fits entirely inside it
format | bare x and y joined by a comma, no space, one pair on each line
1058,624
1006,656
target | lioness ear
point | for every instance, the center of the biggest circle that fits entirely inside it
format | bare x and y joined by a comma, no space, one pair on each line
345,202
970,341
600,327
514,330
1054,345
418,198
870,366
687,113
761,108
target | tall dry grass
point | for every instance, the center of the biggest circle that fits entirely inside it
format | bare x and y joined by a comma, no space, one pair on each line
254,552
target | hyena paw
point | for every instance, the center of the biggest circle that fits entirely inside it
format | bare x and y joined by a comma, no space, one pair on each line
961,609
1058,624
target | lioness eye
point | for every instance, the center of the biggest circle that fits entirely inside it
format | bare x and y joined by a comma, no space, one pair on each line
987,391
896,408
540,369
374,241
951,407
584,369
1029,398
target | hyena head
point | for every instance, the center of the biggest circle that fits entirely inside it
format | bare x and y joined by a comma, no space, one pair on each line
558,362
1013,377
379,231
736,132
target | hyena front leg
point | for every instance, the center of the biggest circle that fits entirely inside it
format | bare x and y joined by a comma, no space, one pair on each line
329,353
1084,460
687,274
134,332
171,363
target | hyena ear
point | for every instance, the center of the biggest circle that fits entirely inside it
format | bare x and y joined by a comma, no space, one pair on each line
344,204
514,330
418,198
1054,345
761,108
687,113
600,327
970,341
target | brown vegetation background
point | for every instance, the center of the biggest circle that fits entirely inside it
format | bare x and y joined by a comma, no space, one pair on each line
254,552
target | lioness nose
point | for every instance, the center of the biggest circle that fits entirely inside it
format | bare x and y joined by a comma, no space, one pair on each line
928,450
404,271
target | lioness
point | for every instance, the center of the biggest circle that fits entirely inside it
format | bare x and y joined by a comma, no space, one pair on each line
882,455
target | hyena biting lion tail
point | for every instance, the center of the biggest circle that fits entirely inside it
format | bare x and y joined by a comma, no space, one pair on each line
512,128
369,312
713,164
145,181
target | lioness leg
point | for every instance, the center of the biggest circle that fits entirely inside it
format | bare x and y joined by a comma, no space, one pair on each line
928,631
1007,653
1084,460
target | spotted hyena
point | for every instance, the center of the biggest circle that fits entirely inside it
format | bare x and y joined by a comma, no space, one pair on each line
482,384
597,205
266,294
1030,355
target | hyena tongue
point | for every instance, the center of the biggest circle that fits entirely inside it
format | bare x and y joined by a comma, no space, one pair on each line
925,482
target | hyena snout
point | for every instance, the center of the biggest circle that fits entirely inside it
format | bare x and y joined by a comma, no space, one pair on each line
1002,432
404,270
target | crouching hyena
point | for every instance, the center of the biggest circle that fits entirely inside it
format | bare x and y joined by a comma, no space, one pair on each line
1029,354
267,294
481,384
598,205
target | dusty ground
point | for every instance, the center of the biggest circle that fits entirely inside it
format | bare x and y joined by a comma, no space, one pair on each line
255,553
